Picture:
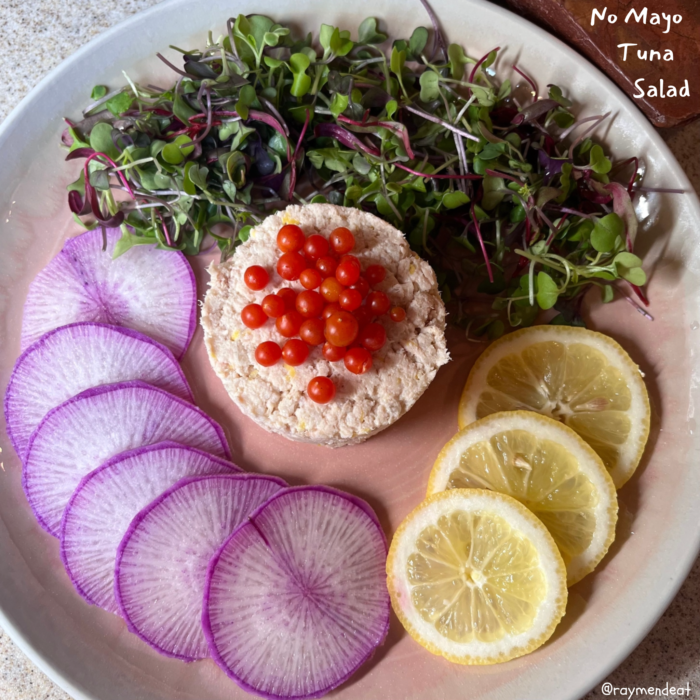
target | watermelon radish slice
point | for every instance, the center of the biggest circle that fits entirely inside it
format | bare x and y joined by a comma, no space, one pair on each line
106,501
76,357
149,290
85,431
162,561
296,599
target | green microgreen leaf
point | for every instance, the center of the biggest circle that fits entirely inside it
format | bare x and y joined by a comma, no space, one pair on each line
493,192
101,140
635,275
120,103
369,34
492,150
325,35
556,94
175,152
547,291
398,59
187,183
628,260
182,110
458,59
339,104
563,119
606,231
298,63
230,189
429,86
129,240
452,200
417,43
598,161
607,293
503,92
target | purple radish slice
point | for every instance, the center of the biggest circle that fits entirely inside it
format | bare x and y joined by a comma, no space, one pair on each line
296,599
76,357
152,291
87,430
104,504
162,561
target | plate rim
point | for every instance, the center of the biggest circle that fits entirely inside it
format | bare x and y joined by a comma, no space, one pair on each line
638,631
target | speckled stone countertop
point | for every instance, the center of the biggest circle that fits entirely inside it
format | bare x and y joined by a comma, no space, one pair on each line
37,35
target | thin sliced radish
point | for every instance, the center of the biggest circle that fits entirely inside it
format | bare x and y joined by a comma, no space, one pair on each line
149,290
107,500
296,599
162,561
87,430
76,357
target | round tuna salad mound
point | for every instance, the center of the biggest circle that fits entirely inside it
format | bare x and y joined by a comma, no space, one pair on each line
275,397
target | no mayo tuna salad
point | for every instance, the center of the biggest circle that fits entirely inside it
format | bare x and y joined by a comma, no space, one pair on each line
406,356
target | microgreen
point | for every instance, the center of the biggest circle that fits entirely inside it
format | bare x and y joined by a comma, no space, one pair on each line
516,207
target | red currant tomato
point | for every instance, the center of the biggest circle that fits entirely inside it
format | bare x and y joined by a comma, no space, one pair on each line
329,310
363,315
253,316
315,247
309,304
341,329
321,390
397,314
351,258
289,296
273,305
289,324
362,286
290,239
268,353
358,360
347,273
378,302
333,353
375,274
256,277
291,265
295,352
326,266
342,240
311,331
350,299
310,278
372,337
331,289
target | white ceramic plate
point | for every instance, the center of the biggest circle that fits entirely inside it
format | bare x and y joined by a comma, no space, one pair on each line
90,653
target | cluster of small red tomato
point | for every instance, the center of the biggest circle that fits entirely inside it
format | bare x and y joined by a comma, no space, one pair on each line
337,308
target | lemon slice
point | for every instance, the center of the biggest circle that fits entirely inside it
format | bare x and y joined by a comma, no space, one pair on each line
549,469
475,577
582,378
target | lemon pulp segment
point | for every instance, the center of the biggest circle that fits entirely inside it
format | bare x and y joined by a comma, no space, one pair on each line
474,578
